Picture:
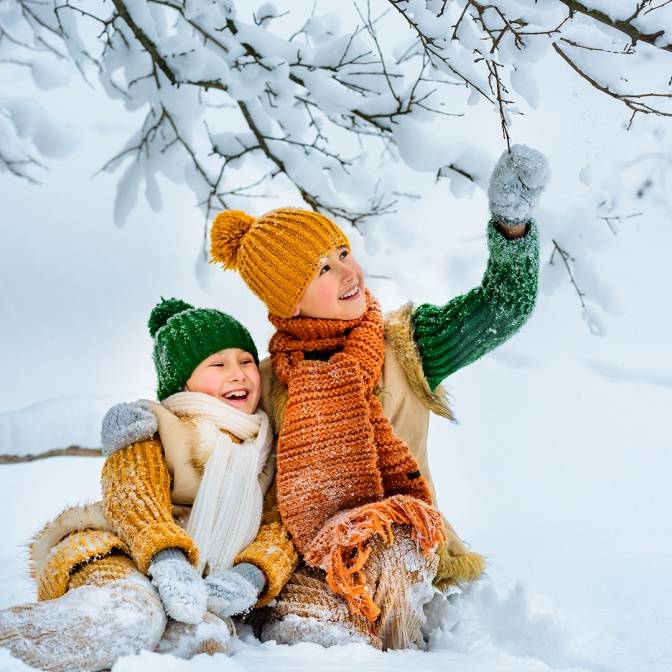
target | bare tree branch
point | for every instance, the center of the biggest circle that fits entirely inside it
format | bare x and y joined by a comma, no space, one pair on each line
566,258
70,451
635,102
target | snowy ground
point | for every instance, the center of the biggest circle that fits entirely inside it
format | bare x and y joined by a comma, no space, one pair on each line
489,628
600,619
558,471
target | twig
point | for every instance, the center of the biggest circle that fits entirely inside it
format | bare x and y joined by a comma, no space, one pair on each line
566,258
618,218
501,103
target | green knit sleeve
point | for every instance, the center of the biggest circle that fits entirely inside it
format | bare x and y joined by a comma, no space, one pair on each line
457,334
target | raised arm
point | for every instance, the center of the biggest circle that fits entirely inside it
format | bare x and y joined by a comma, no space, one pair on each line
458,333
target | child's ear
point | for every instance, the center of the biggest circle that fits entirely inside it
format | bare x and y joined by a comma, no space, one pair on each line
297,312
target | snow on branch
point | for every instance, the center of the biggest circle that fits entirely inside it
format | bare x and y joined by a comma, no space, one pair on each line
29,41
643,9
637,102
295,99
488,46
238,99
308,109
240,103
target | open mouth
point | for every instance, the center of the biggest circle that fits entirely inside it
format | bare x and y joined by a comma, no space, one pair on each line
236,395
350,294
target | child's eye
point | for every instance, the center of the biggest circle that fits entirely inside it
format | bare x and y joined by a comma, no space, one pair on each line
325,268
343,254
216,364
247,361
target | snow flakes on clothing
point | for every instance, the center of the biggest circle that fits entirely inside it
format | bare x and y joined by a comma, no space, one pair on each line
181,588
125,424
88,628
517,181
294,628
185,640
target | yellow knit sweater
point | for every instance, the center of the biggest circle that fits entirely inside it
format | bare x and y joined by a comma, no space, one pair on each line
136,488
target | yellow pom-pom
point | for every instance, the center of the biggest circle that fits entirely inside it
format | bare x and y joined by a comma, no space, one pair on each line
226,235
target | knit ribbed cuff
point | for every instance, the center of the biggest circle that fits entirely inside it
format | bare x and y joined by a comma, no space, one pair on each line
158,537
514,249
76,549
275,555
102,571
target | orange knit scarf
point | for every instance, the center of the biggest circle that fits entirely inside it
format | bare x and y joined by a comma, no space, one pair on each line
342,474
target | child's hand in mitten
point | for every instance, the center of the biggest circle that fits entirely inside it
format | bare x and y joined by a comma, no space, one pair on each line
234,591
181,588
519,178
125,424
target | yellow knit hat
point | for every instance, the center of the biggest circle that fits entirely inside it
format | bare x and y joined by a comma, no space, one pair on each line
276,254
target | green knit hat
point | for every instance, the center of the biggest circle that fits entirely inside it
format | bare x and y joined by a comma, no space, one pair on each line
184,336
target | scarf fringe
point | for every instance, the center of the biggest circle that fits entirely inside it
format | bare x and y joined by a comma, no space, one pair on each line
348,550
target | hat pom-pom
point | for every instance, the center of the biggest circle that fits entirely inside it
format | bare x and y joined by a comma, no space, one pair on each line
226,236
164,311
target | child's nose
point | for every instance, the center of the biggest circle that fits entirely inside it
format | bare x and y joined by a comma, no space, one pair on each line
347,272
235,373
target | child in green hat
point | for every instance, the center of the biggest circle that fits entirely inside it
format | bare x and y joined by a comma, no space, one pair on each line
175,515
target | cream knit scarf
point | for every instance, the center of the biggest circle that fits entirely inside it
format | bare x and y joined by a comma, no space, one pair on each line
227,510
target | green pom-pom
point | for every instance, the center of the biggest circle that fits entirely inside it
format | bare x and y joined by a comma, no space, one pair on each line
164,311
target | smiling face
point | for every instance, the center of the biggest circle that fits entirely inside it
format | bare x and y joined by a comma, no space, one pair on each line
232,376
336,291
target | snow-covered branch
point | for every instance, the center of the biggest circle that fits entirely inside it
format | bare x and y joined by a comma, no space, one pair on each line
296,98
30,40
237,100
487,44
643,11
235,103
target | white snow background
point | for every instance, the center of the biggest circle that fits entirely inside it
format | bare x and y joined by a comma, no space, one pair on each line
558,470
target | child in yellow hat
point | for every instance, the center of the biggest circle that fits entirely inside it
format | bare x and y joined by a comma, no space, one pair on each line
350,393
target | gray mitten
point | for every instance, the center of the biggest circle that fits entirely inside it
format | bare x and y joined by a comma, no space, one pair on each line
181,588
235,590
125,424
519,178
